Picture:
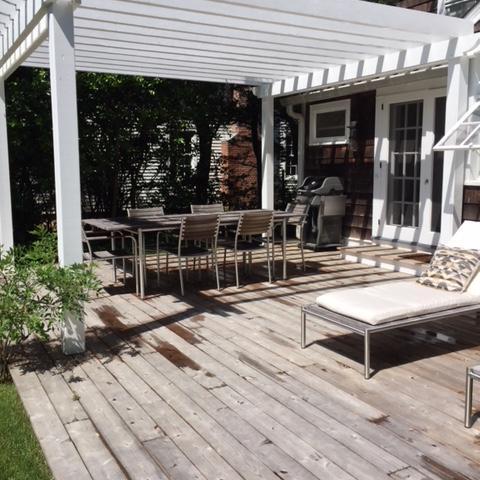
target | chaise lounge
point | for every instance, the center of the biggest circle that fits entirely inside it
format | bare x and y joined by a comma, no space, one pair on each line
374,309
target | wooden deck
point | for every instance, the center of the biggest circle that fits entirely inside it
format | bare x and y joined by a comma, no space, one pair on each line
214,386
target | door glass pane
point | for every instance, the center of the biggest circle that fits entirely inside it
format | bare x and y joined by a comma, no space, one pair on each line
404,172
437,176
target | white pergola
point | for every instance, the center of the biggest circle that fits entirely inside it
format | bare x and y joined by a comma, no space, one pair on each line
281,47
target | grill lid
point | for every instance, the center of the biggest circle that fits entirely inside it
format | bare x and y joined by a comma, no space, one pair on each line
321,186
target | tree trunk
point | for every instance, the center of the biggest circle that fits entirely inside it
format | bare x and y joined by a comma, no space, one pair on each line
205,138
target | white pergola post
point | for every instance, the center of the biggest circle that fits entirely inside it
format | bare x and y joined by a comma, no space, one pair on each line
66,153
300,118
454,162
6,224
268,157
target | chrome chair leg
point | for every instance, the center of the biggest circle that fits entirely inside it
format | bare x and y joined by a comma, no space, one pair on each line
303,330
236,269
268,261
302,251
180,268
273,251
215,261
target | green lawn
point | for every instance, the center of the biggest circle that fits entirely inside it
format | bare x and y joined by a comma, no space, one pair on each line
21,457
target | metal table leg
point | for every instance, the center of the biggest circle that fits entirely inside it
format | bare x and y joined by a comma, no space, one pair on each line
367,355
284,247
468,399
141,260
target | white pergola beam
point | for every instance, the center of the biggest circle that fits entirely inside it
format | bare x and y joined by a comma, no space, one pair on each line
6,224
268,157
66,154
391,63
29,44
24,17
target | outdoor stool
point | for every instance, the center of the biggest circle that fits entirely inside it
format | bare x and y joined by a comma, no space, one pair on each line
473,373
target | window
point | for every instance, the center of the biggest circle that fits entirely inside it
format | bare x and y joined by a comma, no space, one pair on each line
405,162
329,123
465,136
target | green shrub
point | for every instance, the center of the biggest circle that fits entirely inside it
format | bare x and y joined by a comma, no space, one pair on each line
36,293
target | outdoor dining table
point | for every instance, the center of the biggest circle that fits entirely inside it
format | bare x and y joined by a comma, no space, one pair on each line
171,222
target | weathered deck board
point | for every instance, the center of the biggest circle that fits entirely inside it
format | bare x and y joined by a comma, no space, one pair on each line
214,386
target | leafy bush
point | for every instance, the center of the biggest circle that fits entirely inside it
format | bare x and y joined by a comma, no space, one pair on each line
36,293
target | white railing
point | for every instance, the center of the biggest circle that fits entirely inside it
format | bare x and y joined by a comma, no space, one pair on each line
456,8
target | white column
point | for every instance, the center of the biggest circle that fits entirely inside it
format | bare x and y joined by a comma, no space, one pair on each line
66,152
6,225
268,160
454,162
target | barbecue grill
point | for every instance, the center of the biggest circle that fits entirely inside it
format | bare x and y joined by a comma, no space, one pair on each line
326,198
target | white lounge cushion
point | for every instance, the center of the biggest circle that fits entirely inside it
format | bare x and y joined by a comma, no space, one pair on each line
468,237
393,300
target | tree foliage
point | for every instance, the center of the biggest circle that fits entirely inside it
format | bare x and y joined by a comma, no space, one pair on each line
128,127
36,293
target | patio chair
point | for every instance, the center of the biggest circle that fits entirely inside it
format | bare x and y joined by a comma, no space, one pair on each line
198,238
402,303
253,233
148,214
112,255
211,208
301,210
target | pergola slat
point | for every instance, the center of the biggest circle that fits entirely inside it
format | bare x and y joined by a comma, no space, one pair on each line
309,21
143,36
157,56
173,19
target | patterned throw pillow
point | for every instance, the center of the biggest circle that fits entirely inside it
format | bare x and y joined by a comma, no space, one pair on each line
451,269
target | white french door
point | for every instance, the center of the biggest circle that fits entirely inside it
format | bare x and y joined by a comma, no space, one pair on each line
403,174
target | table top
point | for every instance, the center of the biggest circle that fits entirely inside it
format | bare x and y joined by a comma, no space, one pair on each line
171,221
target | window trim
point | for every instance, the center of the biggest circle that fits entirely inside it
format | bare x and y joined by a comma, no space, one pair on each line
327,108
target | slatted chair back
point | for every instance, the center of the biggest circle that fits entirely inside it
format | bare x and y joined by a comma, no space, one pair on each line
299,209
255,223
200,228
146,212
212,208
